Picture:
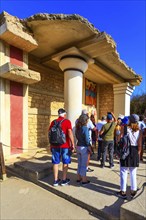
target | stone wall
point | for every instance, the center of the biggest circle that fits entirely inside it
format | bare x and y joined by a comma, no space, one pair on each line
47,96
106,99
44,99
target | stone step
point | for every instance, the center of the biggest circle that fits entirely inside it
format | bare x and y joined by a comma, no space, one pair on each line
34,169
98,197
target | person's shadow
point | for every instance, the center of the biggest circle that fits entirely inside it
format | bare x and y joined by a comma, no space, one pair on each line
113,210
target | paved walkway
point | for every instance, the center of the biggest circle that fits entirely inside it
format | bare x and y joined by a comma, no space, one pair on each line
24,200
98,196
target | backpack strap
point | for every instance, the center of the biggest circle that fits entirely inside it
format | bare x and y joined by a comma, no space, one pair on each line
62,120
59,122
55,122
108,129
125,133
125,130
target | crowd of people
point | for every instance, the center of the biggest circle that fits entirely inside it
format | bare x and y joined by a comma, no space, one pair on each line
103,136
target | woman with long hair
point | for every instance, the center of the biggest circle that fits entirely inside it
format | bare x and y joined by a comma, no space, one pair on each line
83,146
132,160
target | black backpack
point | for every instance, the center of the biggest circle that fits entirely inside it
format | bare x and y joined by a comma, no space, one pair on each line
56,134
124,146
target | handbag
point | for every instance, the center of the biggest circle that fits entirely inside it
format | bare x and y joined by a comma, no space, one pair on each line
104,133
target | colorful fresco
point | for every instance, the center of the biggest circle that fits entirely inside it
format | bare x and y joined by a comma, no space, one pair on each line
90,93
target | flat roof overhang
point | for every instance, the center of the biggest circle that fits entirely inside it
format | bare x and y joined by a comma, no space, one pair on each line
51,34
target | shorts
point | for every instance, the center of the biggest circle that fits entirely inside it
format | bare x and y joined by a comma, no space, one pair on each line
61,153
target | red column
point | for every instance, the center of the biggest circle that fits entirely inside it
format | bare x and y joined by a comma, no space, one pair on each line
16,56
16,105
16,116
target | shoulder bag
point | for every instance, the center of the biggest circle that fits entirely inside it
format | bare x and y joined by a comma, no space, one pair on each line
104,133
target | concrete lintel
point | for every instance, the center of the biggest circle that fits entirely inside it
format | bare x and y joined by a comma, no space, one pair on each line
123,88
19,74
72,51
13,33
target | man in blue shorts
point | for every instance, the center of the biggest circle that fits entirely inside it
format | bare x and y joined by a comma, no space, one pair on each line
62,151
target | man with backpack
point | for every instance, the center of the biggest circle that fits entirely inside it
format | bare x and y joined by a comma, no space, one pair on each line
62,144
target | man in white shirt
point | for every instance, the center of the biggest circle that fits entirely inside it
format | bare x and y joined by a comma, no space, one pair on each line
141,122
100,140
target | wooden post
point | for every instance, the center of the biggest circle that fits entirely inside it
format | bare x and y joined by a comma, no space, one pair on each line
2,163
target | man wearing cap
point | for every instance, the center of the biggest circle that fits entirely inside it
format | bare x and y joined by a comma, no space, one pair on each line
63,151
100,140
108,139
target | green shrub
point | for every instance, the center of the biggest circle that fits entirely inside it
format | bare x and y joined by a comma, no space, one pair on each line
138,105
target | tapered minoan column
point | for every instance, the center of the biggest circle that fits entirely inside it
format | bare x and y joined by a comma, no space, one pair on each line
73,67
122,94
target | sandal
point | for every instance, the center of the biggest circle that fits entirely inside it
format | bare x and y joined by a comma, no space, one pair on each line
121,194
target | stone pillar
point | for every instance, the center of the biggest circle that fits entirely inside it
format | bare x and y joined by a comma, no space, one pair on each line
15,78
5,116
74,68
25,116
122,94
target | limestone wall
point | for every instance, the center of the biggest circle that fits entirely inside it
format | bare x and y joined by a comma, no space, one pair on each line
44,99
47,96
106,99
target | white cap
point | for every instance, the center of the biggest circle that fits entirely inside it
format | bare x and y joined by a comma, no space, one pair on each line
84,112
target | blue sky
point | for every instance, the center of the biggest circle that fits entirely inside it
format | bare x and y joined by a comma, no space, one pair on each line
123,20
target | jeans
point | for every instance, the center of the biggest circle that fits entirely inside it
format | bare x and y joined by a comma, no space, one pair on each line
100,144
108,145
123,177
82,154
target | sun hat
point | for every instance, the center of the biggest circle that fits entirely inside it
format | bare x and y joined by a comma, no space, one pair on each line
134,118
125,120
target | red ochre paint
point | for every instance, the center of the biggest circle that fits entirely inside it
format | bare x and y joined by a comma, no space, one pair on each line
16,117
16,56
